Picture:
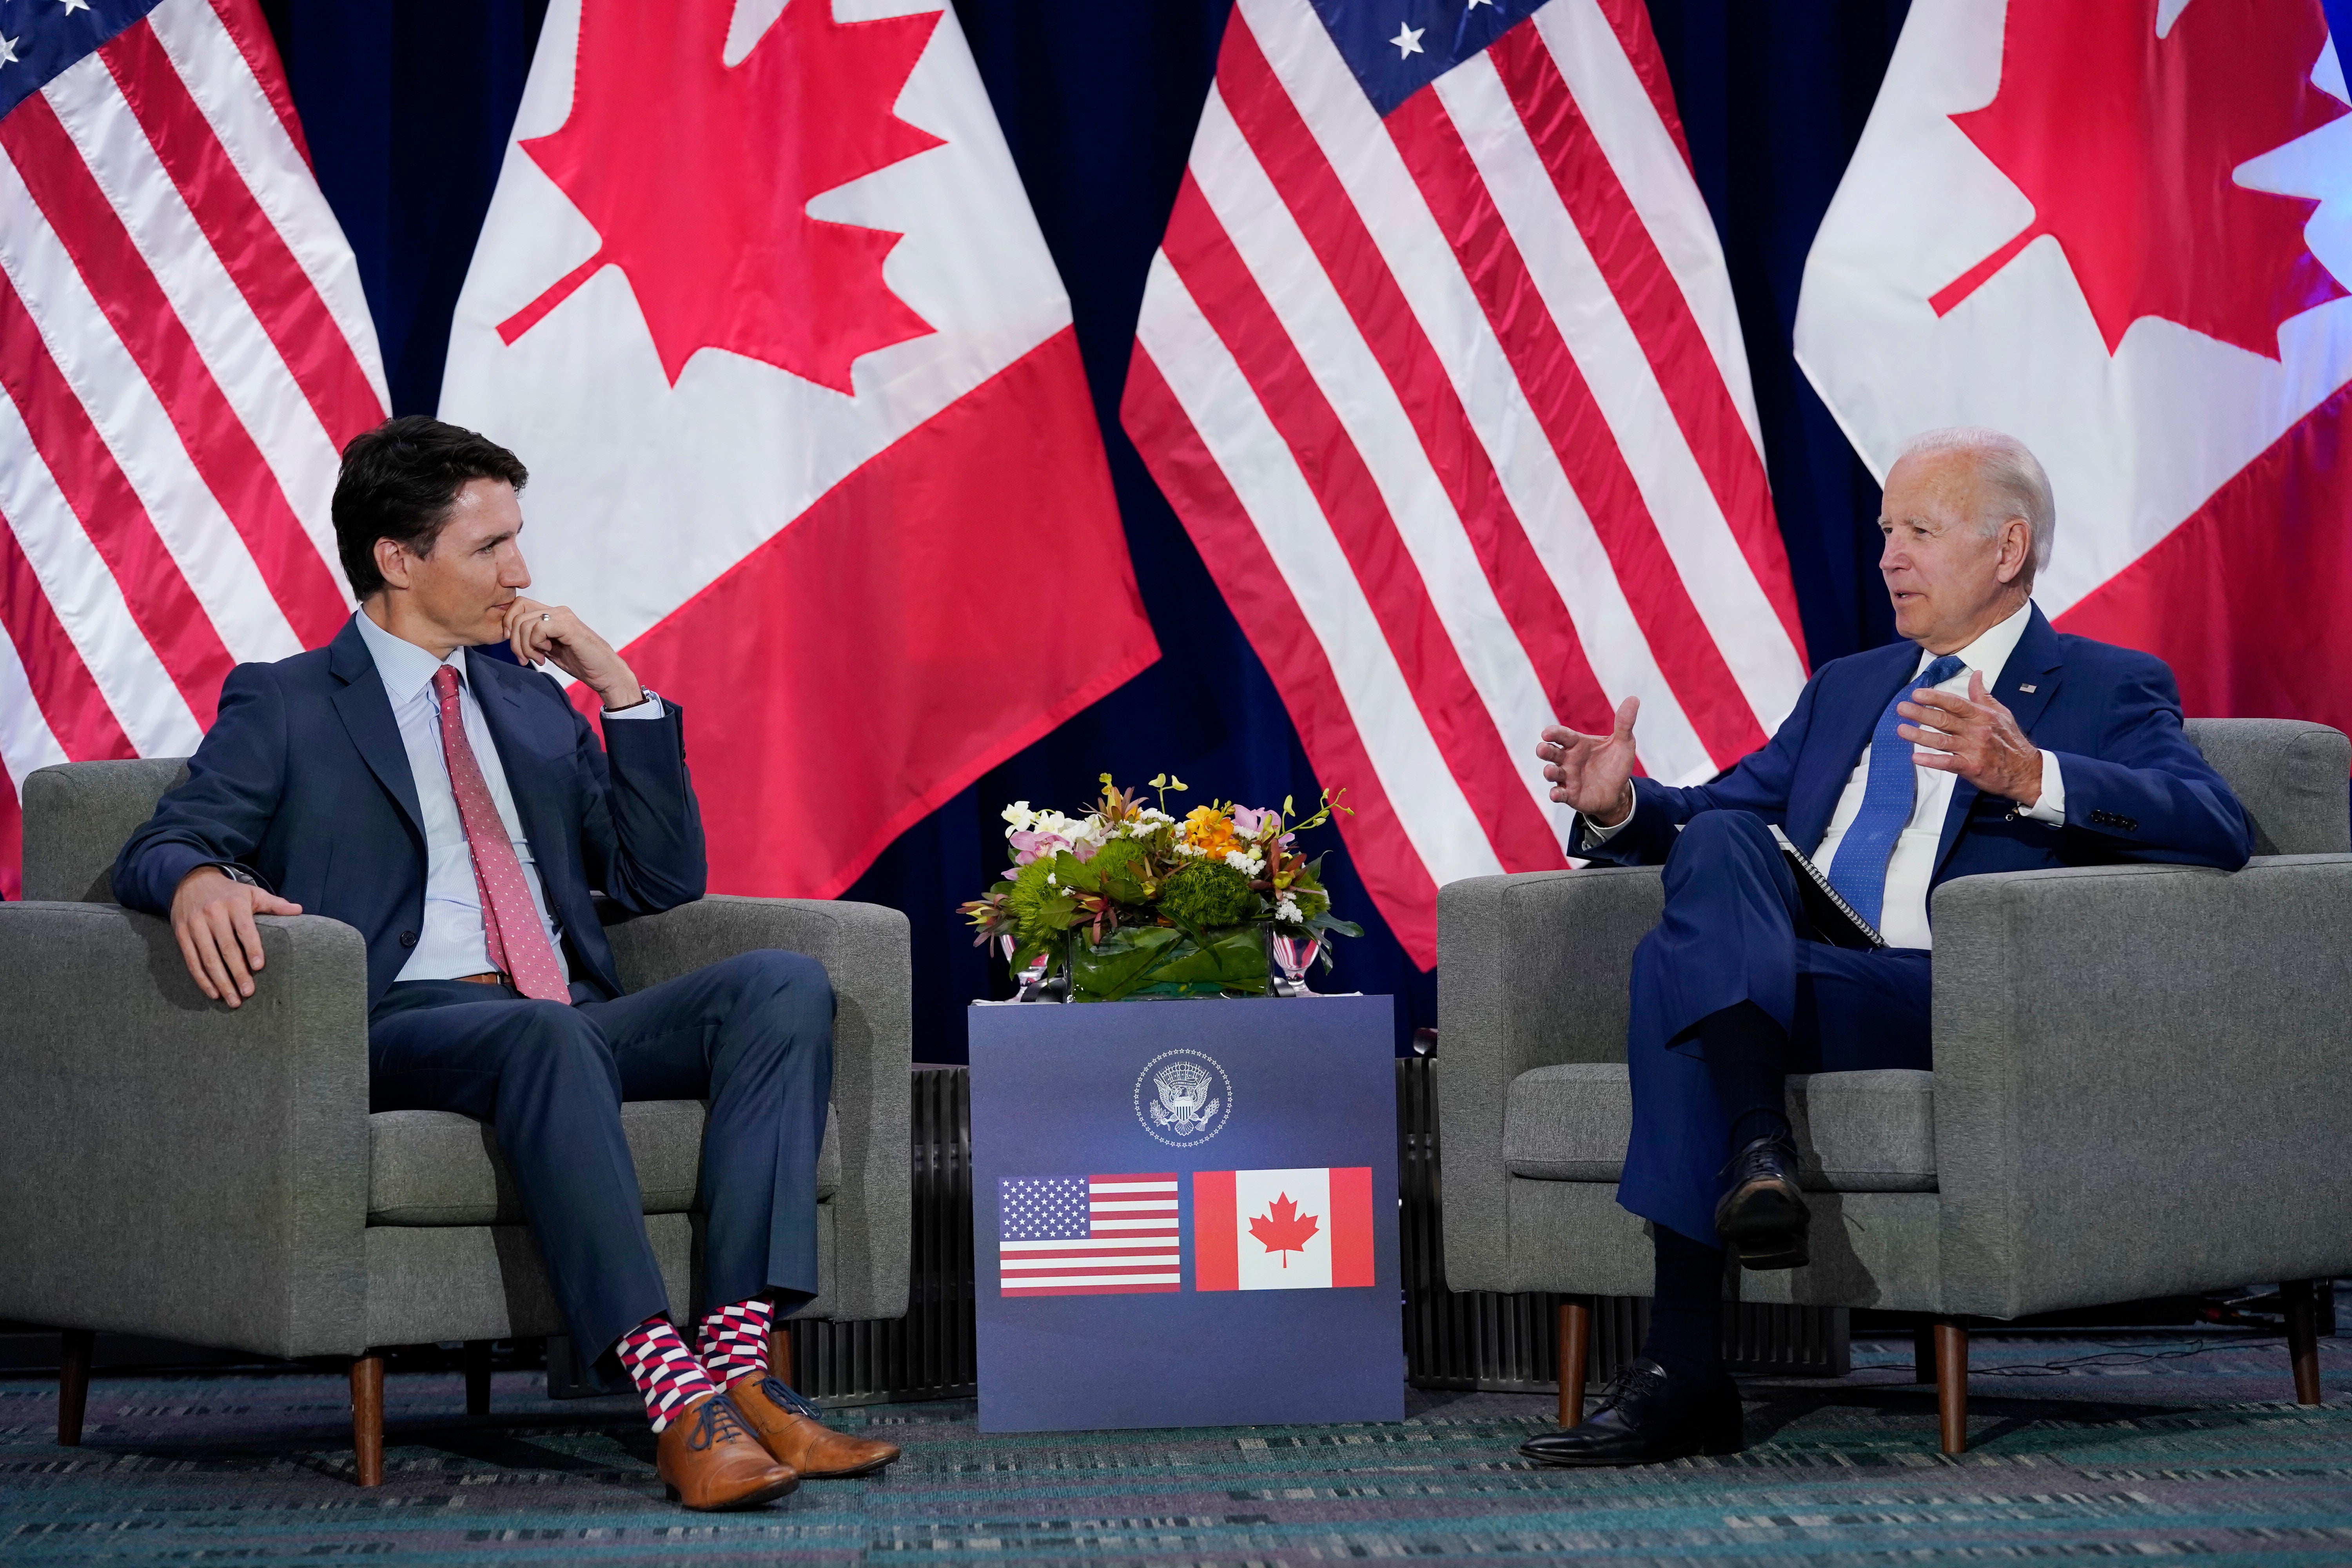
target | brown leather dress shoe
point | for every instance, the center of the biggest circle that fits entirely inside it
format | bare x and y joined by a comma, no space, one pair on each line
788,1428
711,1460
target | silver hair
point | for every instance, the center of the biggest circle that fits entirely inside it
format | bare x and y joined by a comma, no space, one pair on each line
2013,474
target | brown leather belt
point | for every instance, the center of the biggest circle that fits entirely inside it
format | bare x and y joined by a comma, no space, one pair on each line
492,978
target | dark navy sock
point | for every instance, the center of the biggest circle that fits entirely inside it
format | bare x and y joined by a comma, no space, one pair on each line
1686,1312
1748,1056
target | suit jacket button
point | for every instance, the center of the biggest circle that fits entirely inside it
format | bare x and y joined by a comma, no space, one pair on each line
408,939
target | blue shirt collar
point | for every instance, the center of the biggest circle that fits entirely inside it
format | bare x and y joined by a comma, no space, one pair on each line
407,669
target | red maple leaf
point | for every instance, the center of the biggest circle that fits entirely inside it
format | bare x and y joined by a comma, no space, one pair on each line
1283,1229
2125,141
697,175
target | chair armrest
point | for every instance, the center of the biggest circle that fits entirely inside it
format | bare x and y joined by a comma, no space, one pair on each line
865,951
1532,971
2141,1082
171,1167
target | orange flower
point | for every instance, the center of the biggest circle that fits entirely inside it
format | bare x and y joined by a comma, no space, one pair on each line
1210,831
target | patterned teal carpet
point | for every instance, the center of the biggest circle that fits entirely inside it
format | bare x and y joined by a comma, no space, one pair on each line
2155,1446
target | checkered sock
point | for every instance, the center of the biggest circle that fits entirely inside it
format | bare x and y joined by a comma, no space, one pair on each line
735,1341
663,1370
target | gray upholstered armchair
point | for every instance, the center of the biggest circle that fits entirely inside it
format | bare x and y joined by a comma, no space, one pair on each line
2138,1091
177,1169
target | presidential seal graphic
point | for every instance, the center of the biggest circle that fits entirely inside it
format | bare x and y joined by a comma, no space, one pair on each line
1183,1098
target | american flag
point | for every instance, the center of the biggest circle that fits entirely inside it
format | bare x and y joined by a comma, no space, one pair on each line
1087,1236
185,349
1439,363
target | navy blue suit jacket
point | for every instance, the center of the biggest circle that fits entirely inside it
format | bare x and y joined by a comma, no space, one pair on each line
2135,788
303,780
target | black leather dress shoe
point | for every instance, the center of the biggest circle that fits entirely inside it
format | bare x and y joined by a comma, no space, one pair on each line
1763,1217
1647,1416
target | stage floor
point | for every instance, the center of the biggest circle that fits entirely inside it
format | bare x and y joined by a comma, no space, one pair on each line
2115,1445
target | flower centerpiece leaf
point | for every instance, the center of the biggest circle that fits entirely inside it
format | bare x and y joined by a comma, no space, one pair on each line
1128,901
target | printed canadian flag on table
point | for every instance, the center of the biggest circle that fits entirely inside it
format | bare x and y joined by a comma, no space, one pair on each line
2122,232
1282,1230
762,303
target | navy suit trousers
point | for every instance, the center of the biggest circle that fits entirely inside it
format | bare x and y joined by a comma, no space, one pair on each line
752,1035
1730,934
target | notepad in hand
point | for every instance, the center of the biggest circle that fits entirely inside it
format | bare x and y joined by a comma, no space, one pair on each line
1834,919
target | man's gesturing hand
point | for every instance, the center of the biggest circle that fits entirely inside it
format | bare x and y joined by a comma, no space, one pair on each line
1974,737
540,632
212,914
1594,773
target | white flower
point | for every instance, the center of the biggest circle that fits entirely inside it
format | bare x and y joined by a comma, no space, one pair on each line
1051,880
1151,817
1020,817
1285,908
1091,829
1249,864
1185,849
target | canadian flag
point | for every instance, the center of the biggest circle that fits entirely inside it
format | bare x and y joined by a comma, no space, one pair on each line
2121,230
762,303
1282,1230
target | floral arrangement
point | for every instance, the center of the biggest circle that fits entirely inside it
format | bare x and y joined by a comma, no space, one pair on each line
1131,901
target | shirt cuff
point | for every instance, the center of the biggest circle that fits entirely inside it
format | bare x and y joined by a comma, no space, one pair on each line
651,708
2050,809
1594,836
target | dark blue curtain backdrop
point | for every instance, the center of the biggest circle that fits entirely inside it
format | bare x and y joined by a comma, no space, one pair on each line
408,104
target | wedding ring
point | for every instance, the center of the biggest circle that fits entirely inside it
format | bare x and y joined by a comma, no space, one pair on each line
545,613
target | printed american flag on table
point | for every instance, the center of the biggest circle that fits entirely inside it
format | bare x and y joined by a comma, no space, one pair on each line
1439,365
183,348
1087,1236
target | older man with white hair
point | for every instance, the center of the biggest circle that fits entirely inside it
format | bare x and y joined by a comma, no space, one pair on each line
1985,742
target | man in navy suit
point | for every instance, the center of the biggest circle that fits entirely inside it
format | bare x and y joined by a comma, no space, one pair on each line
454,808
1985,742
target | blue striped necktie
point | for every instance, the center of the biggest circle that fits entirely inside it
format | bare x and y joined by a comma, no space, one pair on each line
1888,795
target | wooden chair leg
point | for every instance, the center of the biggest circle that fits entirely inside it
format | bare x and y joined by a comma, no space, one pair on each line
1923,1353
1575,1348
1952,1386
2299,1297
780,1353
367,1418
478,1377
73,1383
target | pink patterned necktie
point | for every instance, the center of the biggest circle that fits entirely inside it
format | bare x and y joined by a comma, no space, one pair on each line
511,922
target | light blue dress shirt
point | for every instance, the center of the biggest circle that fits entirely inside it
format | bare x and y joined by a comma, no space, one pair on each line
451,942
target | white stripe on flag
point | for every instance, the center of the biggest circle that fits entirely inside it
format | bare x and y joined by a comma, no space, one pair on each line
1357,147
1167,1224
229,338
255,140
1054,1281
1741,620
1264,473
1656,181
26,741
115,393
88,601
1099,1243
1133,1187
1277,255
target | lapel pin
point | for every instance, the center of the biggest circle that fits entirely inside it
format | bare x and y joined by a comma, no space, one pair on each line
2026,687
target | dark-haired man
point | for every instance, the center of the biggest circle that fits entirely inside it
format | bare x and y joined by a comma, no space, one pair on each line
457,810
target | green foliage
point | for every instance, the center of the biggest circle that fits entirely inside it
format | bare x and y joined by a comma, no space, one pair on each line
1122,870
1208,893
1041,911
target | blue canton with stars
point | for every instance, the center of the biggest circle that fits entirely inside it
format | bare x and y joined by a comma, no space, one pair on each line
1396,47
1043,1208
39,38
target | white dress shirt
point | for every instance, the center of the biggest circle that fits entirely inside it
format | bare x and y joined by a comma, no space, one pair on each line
451,942
1902,917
